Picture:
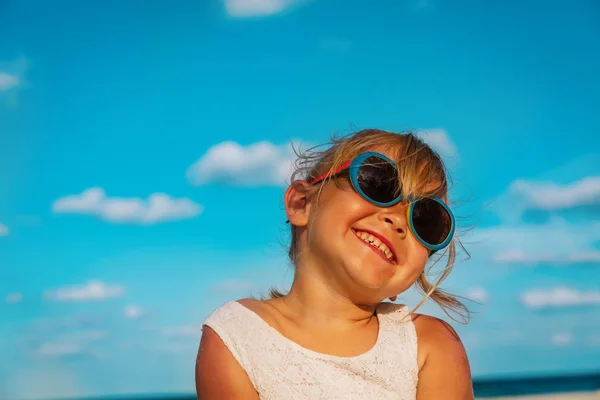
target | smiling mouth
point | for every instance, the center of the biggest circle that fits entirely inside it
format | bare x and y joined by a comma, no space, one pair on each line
376,245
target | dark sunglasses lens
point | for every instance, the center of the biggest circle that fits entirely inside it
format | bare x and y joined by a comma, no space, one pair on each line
378,179
431,221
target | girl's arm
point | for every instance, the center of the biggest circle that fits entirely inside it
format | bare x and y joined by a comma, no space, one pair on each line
445,372
218,374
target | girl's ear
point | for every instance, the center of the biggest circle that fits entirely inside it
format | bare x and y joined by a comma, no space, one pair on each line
297,206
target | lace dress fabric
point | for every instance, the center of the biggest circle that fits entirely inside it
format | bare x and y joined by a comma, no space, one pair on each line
282,369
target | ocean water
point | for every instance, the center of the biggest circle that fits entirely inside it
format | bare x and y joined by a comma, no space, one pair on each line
483,388
536,385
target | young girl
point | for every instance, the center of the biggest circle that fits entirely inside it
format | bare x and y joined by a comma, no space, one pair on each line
366,215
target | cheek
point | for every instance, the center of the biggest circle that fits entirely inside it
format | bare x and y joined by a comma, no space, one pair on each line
421,255
341,210
419,265
417,256
409,272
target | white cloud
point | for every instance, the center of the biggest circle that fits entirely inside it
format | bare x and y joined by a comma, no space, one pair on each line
83,337
182,332
72,343
159,207
133,312
517,256
477,294
256,8
552,192
556,240
554,196
561,339
440,141
59,349
3,230
93,290
8,81
14,298
261,163
567,241
12,79
12,73
559,297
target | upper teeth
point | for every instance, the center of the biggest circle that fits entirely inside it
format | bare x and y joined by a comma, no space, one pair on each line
373,241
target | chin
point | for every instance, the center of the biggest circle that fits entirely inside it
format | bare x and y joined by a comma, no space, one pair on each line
378,281
371,278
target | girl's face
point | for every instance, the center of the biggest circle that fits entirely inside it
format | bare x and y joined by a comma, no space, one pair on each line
338,230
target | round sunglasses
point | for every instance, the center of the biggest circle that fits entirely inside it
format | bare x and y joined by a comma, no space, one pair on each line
375,178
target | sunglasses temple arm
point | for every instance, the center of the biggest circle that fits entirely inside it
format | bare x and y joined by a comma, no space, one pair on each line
337,171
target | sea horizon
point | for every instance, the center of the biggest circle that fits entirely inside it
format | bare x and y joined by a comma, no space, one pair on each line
484,387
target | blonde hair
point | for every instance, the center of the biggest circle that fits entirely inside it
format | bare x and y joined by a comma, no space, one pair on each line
420,169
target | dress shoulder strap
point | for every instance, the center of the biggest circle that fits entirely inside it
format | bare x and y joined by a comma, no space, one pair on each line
396,321
239,330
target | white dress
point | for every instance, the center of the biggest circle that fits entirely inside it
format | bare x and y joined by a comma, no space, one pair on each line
281,369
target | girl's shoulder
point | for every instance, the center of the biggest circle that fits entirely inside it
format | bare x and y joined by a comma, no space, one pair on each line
440,346
434,336
431,330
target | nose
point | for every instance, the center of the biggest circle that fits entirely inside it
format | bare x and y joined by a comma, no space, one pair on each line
396,218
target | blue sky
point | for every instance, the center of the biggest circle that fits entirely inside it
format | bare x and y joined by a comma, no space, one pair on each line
144,151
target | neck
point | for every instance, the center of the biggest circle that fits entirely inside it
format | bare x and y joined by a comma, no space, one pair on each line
312,301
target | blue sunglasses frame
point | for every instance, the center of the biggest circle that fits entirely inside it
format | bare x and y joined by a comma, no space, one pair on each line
353,169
